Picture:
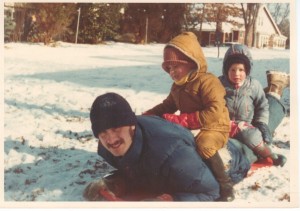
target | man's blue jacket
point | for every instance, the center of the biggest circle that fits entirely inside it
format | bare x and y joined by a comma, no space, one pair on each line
163,159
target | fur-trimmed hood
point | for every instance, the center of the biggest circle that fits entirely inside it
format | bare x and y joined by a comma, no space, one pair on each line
188,44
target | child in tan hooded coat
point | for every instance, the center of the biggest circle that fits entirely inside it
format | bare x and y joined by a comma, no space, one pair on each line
199,96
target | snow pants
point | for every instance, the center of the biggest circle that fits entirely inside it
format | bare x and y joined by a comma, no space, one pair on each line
251,136
209,142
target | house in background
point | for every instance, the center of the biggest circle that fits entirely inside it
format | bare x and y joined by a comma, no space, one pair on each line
17,13
230,34
267,33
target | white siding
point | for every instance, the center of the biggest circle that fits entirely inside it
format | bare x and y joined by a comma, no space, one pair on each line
264,24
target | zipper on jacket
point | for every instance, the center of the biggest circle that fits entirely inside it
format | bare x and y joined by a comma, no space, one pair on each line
236,93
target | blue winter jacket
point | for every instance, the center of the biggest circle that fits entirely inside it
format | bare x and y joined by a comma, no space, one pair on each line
163,159
247,103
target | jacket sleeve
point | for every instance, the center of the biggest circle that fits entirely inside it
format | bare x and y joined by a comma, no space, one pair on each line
192,182
261,105
167,106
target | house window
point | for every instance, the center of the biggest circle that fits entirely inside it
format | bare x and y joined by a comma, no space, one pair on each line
264,41
227,37
212,39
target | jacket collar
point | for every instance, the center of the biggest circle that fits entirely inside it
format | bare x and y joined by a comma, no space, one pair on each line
231,85
134,152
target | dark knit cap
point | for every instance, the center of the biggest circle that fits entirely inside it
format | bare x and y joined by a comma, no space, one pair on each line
237,54
173,56
237,59
110,110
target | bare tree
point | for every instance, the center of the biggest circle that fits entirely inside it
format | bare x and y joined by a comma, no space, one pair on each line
194,16
219,13
250,12
52,19
280,13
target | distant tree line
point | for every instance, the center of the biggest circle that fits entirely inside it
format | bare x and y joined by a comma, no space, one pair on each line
130,22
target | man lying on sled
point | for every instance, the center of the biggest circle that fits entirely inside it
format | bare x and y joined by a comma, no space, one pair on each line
155,160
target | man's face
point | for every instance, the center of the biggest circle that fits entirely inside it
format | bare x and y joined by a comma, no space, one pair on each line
117,140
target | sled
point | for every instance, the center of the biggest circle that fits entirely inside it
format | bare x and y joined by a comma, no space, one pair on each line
266,162
144,195
262,163
141,195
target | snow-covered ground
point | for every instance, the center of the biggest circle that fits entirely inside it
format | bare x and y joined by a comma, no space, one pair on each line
49,151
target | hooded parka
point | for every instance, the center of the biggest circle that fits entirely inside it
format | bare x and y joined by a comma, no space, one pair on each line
202,93
247,103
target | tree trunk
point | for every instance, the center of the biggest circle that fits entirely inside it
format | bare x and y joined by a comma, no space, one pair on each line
250,15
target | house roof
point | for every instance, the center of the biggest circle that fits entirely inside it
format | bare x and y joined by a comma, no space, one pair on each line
265,9
229,27
226,27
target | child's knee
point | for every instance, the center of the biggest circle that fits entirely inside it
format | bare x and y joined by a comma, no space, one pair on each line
251,137
206,152
209,142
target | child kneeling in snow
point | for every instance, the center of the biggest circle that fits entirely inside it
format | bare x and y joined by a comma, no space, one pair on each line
248,106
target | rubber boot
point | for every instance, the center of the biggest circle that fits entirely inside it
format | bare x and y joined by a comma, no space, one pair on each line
216,165
277,82
264,151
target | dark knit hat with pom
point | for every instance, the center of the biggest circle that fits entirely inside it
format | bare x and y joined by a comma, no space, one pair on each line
110,110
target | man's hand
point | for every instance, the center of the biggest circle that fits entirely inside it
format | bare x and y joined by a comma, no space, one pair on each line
95,190
109,188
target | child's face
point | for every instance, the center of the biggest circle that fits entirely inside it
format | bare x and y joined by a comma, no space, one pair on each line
237,74
178,71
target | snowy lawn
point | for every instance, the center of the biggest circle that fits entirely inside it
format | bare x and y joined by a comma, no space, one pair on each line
49,151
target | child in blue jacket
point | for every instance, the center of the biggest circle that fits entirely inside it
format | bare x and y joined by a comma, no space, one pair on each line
248,106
